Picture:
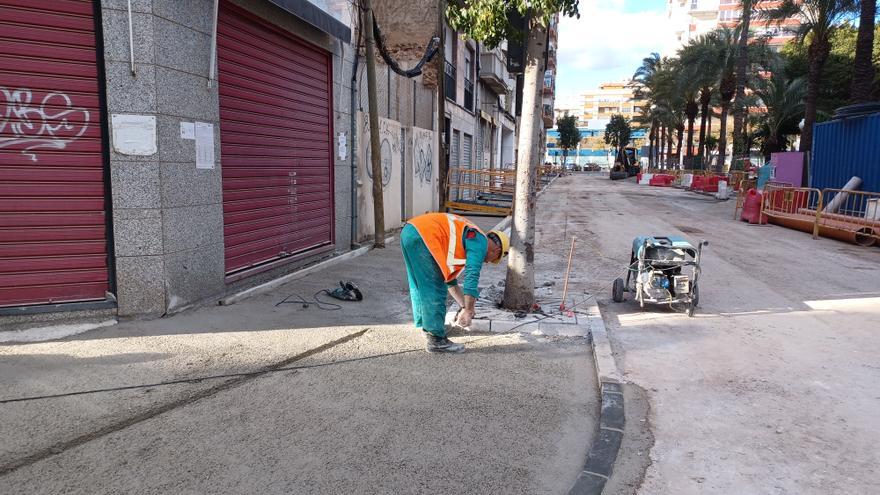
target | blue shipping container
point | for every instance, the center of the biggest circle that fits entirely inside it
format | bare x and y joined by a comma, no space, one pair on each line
846,148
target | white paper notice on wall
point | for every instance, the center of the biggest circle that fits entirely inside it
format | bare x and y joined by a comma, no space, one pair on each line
134,134
187,130
342,144
204,145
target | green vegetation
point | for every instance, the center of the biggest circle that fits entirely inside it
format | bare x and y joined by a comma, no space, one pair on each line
617,133
808,79
569,135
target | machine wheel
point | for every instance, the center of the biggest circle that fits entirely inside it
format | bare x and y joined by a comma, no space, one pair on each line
695,300
617,290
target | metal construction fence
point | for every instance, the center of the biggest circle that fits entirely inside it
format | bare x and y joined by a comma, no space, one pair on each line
851,216
488,191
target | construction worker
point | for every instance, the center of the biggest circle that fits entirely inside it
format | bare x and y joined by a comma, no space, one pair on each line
437,249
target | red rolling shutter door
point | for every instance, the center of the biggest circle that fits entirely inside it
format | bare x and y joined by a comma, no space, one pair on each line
53,245
275,138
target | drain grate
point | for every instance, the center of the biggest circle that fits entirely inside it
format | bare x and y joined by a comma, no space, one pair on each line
689,230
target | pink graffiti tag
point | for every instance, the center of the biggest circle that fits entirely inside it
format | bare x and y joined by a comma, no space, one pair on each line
44,126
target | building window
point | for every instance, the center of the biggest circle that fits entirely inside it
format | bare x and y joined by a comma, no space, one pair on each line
729,15
469,79
695,4
449,80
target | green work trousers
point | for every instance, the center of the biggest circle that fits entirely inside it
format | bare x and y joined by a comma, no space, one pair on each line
427,287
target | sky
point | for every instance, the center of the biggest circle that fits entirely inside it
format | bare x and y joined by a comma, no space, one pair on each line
607,43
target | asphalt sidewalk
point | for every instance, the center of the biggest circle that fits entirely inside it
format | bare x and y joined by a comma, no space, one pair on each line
262,397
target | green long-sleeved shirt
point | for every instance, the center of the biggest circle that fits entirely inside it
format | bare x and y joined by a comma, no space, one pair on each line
475,254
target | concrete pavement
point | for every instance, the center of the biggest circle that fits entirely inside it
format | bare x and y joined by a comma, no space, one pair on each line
773,387
358,406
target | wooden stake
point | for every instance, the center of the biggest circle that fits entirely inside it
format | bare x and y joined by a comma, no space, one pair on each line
567,274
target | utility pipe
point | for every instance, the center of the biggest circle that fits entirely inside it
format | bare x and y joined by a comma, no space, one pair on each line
841,197
131,40
213,63
353,98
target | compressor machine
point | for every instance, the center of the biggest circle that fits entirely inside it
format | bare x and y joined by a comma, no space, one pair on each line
662,270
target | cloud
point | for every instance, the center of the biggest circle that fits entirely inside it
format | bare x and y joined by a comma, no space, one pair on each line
608,42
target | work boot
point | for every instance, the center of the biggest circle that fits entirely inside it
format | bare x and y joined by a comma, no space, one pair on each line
442,344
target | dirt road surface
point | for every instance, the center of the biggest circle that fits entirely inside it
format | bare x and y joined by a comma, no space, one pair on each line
774,386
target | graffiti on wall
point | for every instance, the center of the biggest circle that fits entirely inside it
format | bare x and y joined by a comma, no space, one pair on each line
425,192
391,153
53,123
424,165
390,144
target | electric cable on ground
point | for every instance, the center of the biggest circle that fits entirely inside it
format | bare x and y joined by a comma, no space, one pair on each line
322,305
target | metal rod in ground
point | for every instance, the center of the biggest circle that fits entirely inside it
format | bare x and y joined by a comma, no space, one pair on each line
567,274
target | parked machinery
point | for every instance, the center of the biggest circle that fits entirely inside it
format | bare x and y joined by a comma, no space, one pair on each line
662,270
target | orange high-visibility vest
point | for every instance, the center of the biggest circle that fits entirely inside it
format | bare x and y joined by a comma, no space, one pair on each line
442,233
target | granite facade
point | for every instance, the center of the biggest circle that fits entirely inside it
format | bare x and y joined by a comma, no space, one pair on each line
167,214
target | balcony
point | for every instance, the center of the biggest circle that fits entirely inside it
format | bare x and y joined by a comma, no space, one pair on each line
492,72
548,87
469,94
547,115
449,81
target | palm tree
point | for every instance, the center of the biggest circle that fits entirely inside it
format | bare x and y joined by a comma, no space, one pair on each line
686,89
819,19
701,66
742,63
784,103
643,81
863,68
726,48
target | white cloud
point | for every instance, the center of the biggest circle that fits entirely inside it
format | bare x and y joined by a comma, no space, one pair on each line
609,42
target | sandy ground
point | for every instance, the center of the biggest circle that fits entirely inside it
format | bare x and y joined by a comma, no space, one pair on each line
773,387
358,408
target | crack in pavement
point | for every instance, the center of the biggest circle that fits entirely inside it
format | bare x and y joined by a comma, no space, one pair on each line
152,412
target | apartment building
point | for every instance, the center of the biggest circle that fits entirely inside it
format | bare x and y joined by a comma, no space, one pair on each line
184,170
610,98
689,19
549,91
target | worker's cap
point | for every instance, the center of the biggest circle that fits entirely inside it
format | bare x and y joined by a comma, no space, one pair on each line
505,243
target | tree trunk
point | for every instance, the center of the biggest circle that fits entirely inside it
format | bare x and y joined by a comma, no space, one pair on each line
669,148
691,110
863,67
818,51
680,142
651,136
742,63
722,138
705,98
519,288
375,147
660,145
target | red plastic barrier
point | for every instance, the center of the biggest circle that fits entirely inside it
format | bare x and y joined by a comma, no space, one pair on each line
711,184
639,178
697,183
751,211
662,180
788,201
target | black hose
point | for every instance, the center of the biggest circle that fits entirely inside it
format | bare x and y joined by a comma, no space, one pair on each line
430,51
